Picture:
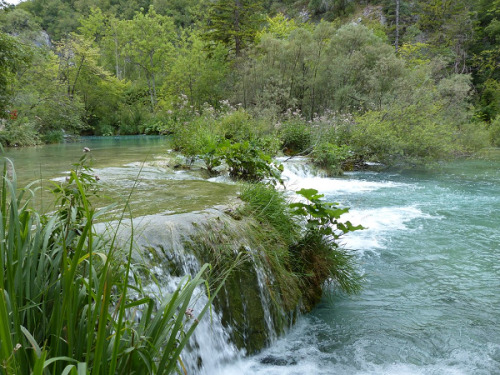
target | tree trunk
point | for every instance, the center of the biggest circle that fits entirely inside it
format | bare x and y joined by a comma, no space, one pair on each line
396,43
153,82
237,36
72,92
117,66
151,94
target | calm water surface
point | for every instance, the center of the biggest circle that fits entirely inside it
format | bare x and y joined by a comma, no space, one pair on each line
141,163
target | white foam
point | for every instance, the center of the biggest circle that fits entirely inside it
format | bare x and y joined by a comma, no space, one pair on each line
333,185
222,179
209,345
301,349
385,218
377,222
299,175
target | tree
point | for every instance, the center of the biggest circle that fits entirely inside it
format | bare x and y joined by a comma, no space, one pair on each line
234,23
486,58
197,73
42,97
57,17
320,68
150,46
87,81
13,57
396,42
184,13
449,26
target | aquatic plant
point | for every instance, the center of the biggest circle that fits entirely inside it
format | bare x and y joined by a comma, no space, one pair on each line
248,162
70,300
310,231
317,255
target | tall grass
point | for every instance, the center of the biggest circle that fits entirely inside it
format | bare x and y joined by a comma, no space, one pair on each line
310,232
270,206
68,300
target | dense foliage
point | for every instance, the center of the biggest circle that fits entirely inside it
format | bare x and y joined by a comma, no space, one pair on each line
418,80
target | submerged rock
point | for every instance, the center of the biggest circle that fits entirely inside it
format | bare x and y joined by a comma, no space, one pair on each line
278,361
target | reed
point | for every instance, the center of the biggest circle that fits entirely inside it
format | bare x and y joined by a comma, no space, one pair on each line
69,302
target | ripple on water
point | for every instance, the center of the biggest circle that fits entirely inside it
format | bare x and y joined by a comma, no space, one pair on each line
430,304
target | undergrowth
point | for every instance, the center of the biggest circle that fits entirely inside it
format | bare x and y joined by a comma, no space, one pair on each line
309,232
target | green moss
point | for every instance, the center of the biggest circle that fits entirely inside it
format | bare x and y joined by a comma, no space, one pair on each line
240,302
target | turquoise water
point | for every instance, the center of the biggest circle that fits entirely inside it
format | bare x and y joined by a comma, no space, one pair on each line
50,161
142,164
430,255
431,259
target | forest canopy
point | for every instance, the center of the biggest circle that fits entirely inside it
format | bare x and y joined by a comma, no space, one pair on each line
386,80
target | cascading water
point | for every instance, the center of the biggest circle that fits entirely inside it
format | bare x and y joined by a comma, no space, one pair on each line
430,305
420,312
161,242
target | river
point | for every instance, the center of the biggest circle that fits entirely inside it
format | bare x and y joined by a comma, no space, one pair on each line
430,254
431,300
142,164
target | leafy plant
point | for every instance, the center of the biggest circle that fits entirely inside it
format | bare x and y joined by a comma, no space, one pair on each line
317,256
494,132
248,162
313,256
69,303
55,136
331,157
20,133
322,217
296,137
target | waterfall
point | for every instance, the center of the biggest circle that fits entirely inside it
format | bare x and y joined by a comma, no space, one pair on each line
249,313
222,336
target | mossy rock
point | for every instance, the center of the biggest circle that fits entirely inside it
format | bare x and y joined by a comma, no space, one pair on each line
255,315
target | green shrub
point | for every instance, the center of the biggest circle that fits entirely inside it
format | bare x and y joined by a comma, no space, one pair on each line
317,256
494,130
200,138
133,119
248,162
404,135
472,137
55,136
131,128
331,157
210,137
313,255
20,133
237,126
270,144
104,130
296,137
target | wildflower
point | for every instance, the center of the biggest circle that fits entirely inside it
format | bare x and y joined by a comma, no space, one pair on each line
189,313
